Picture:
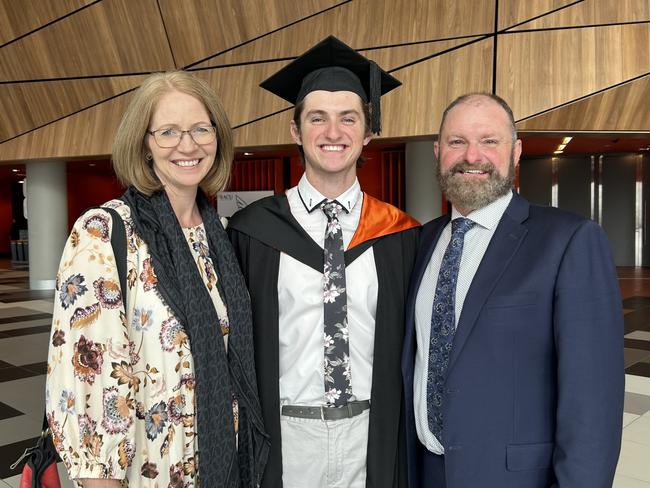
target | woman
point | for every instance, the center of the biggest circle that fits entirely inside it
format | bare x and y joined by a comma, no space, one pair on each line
161,393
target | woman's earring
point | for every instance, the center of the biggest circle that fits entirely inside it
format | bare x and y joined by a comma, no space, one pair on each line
148,157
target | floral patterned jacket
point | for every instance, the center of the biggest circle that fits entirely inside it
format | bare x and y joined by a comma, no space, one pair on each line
120,383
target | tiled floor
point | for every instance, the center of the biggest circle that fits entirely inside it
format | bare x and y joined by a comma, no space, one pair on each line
24,324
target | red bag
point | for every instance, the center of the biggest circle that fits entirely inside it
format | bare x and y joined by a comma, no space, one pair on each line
40,469
48,479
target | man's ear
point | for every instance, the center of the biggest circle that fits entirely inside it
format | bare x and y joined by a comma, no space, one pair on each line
367,139
516,152
295,133
436,149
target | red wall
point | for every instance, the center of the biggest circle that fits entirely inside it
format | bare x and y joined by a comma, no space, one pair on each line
5,215
88,189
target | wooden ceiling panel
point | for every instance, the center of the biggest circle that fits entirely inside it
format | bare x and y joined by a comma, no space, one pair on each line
513,12
623,108
198,29
106,38
18,17
29,105
563,65
593,12
365,24
427,89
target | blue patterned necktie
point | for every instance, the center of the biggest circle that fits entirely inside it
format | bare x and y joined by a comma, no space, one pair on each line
443,323
338,387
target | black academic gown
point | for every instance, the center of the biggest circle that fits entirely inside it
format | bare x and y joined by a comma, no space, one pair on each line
264,229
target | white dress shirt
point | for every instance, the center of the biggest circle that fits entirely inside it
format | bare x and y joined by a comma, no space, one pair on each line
476,242
300,299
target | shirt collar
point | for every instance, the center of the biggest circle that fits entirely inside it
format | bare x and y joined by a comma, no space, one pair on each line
312,198
488,216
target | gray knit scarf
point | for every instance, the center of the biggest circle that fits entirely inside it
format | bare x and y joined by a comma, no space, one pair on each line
218,373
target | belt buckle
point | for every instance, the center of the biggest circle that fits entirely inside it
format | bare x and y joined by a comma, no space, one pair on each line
322,412
349,406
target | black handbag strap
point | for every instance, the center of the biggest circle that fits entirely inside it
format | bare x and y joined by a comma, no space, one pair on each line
118,241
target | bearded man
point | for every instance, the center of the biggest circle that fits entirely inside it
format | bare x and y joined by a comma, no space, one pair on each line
513,355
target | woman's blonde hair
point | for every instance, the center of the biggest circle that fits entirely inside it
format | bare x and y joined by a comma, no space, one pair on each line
130,149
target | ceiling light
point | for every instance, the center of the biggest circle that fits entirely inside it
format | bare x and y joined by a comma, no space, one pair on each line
248,154
561,147
21,181
92,164
559,151
566,140
14,170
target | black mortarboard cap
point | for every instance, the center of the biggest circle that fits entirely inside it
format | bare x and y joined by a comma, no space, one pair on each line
332,65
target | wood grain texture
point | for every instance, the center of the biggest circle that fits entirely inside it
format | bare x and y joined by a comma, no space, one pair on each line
239,92
18,17
540,70
83,135
237,88
593,12
414,109
536,71
390,58
106,38
201,28
365,24
623,108
512,12
28,105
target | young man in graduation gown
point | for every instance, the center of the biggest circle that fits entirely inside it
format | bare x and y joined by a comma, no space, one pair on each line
327,268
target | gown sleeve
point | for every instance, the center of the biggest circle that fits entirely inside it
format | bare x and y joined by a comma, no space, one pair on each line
89,403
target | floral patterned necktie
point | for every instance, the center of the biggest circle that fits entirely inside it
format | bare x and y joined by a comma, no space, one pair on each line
338,387
443,323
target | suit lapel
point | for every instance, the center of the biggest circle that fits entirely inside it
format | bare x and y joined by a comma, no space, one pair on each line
503,246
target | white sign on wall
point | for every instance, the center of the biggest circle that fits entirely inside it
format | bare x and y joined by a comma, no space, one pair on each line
228,202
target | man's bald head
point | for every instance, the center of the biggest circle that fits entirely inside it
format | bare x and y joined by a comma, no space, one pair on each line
478,98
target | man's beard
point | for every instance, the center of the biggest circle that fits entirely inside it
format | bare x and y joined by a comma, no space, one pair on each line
470,194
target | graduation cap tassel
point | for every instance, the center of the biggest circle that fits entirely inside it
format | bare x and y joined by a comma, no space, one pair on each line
375,94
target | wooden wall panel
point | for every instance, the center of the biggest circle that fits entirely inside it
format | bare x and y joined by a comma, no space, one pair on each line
393,57
512,12
536,71
240,94
28,105
594,12
265,133
238,86
18,17
365,24
427,88
201,28
541,70
624,108
106,38
414,109
85,134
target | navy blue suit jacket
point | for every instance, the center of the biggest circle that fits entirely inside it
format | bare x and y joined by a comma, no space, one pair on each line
535,382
